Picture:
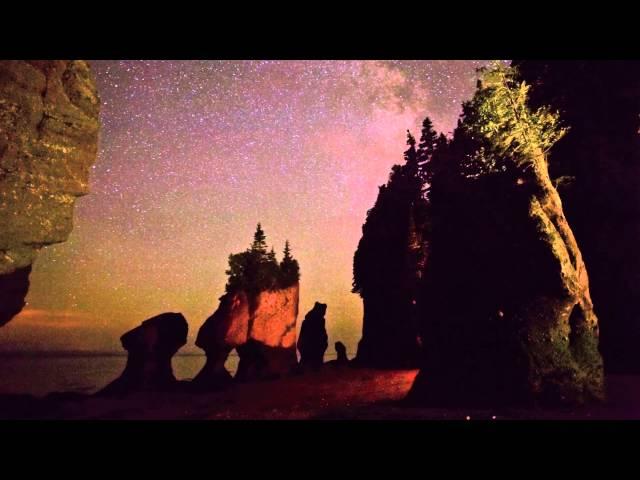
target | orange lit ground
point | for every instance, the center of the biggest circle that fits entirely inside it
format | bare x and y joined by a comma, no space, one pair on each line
332,393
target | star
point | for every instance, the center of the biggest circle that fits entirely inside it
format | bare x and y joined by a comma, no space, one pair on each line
193,154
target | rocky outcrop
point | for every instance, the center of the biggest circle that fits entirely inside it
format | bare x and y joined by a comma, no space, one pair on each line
313,337
508,317
390,336
48,142
341,354
151,347
506,311
262,329
386,271
13,290
598,163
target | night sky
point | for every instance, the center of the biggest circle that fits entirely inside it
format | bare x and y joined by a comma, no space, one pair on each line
194,153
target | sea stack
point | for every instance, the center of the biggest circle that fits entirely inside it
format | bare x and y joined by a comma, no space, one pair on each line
389,260
261,329
256,317
313,339
506,313
151,347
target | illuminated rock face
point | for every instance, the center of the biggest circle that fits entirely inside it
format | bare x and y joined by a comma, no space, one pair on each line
262,329
600,157
151,347
48,142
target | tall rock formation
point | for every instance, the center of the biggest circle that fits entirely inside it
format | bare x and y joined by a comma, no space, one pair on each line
257,316
262,329
48,141
597,167
386,269
313,341
506,312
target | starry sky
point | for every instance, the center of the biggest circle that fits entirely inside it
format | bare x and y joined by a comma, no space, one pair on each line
194,153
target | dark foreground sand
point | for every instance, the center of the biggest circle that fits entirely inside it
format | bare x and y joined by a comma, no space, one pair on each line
331,393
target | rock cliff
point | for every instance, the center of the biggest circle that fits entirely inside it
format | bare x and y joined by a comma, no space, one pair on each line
48,141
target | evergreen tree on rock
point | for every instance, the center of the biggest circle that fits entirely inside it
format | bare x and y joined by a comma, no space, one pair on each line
387,266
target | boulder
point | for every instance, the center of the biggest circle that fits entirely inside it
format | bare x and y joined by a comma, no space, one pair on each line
151,347
313,337
262,329
48,142
341,352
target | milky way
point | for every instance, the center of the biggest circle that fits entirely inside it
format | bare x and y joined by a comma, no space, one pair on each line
194,153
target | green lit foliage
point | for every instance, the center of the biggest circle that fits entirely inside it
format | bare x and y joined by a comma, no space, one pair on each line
257,269
500,119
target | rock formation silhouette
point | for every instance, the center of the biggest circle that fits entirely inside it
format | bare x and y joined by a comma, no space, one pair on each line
506,312
48,142
261,329
14,287
312,342
341,352
151,347
387,266
597,169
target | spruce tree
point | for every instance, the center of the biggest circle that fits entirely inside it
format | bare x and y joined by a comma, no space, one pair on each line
428,143
259,244
289,268
411,157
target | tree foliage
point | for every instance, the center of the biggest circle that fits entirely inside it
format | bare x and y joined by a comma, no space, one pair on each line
381,258
289,268
257,269
499,116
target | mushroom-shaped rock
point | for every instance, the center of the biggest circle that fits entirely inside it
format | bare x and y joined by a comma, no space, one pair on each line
313,337
262,329
151,347
223,331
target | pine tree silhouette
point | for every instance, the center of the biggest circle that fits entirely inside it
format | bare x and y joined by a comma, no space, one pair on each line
259,241
257,269
289,268
387,267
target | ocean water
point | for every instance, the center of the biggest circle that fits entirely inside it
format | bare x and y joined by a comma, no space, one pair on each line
39,375
85,373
